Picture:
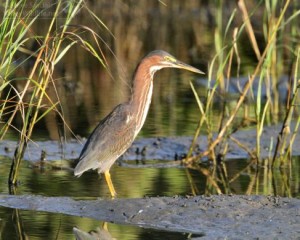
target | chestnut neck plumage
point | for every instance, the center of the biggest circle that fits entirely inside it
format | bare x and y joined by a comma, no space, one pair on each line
142,91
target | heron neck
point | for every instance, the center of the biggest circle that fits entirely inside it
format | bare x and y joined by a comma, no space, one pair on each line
142,94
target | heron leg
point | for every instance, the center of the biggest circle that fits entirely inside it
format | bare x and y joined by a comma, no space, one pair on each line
110,184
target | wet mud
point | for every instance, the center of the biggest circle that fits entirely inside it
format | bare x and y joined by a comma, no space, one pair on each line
214,217
161,148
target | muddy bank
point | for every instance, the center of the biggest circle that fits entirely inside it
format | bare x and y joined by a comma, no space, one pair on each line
161,148
233,217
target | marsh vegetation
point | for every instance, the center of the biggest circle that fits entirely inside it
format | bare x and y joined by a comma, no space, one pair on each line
64,65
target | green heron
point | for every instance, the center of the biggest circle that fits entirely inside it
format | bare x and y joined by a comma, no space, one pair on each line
116,132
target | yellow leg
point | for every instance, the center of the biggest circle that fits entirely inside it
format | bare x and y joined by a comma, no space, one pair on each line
104,226
110,184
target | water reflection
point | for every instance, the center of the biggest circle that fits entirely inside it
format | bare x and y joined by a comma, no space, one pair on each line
18,224
99,233
104,234
236,176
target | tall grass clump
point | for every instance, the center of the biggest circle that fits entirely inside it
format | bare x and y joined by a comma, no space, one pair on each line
278,40
31,103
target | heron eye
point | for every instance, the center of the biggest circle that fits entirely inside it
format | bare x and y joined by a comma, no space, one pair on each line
169,59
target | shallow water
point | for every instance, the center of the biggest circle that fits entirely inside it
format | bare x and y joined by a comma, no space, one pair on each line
41,225
130,182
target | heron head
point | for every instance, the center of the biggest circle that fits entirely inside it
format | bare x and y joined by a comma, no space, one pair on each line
159,59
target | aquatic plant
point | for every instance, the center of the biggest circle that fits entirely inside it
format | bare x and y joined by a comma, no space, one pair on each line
267,70
15,32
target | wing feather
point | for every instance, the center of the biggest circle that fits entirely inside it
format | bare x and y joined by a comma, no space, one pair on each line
109,140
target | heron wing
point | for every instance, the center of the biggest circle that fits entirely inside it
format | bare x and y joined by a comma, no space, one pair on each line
109,140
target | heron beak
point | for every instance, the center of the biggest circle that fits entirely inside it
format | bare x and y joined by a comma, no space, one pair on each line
185,66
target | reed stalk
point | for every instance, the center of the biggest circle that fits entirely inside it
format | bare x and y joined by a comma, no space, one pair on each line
249,83
47,56
281,147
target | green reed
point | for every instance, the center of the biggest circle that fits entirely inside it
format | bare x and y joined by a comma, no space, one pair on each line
16,31
268,69
284,145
